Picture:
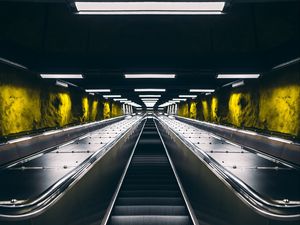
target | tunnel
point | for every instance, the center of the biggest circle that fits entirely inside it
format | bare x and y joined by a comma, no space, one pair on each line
129,112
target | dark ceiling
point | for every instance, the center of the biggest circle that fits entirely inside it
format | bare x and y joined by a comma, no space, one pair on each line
46,36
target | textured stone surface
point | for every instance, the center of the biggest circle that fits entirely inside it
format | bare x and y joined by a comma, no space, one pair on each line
28,103
271,104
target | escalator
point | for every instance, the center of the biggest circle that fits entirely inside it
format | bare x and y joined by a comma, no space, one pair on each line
150,193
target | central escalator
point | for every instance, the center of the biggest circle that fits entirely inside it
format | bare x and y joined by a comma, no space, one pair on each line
149,193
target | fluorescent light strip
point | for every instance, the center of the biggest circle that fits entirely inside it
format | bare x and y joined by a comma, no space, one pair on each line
149,90
238,76
202,90
61,76
179,99
287,63
62,84
6,61
187,96
150,75
97,90
122,8
120,99
237,84
150,13
111,96
149,99
149,96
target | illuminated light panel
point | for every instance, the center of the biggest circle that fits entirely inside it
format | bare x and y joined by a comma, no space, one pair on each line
187,96
179,99
202,90
149,96
237,84
97,90
6,61
149,8
140,76
149,90
61,76
238,76
111,96
149,99
120,99
287,63
62,84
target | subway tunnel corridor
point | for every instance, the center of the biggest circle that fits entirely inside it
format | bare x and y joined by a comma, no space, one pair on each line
150,112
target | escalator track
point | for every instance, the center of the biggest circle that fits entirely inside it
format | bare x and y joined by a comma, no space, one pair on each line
150,193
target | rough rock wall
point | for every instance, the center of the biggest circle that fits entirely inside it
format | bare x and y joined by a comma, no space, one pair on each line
28,103
270,104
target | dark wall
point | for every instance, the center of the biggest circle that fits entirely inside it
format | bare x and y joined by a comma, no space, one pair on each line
270,104
28,103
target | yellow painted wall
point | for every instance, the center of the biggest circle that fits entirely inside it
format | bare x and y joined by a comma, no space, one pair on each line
94,110
56,109
106,110
116,109
183,109
271,103
28,103
205,110
19,109
214,109
193,110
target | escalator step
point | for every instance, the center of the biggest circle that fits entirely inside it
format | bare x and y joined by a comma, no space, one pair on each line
150,201
156,193
150,210
150,220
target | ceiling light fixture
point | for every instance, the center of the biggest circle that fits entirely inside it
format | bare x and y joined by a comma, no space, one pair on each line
6,61
291,62
149,96
149,99
150,76
238,76
61,76
62,84
120,99
111,96
187,96
237,84
149,90
179,99
97,90
202,90
149,8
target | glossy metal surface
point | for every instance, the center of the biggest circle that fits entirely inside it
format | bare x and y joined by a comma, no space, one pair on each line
32,184
273,187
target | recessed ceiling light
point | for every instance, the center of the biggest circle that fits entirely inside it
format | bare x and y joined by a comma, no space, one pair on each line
150,75
151,8
61,76
179,99
187,96
293,61
149,90
237,84
238,76
120,99
6,61
149,99
111,96
202,90
97,90
149,96
62,84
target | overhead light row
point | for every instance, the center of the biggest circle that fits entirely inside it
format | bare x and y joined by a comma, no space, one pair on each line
149,8
157,76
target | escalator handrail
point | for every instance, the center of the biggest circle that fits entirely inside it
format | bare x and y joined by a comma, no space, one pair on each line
31,208
264,207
